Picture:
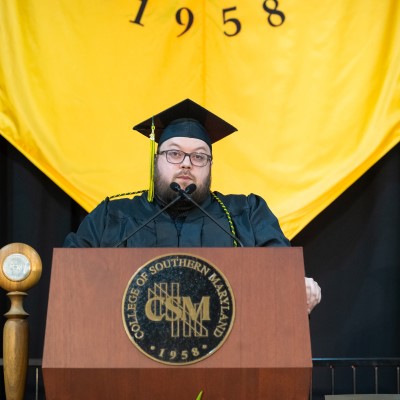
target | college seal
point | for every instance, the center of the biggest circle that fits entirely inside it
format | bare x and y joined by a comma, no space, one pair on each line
178,309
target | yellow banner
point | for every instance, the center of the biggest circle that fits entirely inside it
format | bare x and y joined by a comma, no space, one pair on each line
312,86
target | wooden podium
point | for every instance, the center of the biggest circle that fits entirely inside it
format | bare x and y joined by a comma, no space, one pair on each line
88,355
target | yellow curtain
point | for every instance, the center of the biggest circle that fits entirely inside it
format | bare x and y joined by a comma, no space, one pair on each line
312,86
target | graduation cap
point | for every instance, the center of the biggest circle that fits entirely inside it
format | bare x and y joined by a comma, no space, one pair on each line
184,119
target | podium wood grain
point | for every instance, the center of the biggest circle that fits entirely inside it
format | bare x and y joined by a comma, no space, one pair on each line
88,355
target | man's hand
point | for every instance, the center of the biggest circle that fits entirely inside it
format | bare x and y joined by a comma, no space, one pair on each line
313,294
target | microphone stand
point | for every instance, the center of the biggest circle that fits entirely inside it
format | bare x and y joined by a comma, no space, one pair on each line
190,189
149,220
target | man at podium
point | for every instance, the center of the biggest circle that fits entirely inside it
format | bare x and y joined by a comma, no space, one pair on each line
179,209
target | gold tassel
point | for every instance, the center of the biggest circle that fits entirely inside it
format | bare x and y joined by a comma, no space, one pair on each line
150,194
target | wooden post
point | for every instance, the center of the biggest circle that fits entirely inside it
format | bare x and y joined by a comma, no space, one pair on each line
15,347
20,269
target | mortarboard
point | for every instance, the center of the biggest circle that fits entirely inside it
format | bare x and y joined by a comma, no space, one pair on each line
184,119
215,127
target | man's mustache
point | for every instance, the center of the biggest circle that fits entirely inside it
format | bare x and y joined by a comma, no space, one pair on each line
184,174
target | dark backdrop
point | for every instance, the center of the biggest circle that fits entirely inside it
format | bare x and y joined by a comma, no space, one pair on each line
352,249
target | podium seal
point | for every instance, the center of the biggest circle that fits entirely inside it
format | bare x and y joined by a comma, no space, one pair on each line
178,309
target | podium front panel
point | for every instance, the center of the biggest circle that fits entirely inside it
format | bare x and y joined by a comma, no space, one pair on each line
88,354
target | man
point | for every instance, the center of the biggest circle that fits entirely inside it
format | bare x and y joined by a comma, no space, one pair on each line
184,133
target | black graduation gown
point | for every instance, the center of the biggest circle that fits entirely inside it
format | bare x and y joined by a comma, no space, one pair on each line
111,221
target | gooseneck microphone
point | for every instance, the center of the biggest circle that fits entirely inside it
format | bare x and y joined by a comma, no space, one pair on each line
186,194
177,198
189,190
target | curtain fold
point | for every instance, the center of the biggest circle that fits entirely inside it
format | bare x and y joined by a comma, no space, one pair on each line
313,88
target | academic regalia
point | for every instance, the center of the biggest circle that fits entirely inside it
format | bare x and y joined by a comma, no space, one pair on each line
111,221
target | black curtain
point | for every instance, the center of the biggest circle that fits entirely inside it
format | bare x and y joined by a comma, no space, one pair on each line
352,249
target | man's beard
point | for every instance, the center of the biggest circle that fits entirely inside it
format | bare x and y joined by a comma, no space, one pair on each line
166,194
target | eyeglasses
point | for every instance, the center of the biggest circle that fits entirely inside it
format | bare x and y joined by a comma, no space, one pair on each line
177,156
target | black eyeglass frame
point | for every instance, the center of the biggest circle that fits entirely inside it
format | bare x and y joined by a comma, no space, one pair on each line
166,152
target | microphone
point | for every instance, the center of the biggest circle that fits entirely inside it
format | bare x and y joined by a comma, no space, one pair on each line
186,194
173,186
190,189
176,188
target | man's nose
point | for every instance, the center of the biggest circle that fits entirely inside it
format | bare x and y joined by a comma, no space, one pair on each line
186,163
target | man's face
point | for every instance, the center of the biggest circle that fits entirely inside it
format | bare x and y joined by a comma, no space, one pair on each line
184,173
